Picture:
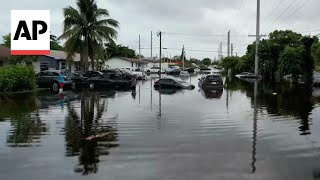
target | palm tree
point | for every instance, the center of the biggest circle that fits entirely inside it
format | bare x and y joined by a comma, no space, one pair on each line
86,29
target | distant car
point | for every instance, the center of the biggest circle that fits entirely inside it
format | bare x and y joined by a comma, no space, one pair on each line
184,74
50,79
171,83
140,75
174,70
248,75
127,74
211,81
154,70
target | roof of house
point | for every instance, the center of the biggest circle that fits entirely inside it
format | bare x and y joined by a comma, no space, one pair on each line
63,55
132,60
4,52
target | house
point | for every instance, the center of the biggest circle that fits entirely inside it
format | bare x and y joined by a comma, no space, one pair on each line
121,62
55,61
155,63
4,53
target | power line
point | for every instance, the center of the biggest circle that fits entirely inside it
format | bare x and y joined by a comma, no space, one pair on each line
274,10
186,34
299,8
281,14
197,50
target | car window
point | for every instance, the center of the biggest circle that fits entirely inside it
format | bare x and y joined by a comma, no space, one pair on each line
85,75
95,74
41,74
213,77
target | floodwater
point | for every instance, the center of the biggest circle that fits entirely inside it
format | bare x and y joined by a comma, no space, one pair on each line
247,131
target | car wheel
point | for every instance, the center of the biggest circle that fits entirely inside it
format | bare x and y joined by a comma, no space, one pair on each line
55,87
91,85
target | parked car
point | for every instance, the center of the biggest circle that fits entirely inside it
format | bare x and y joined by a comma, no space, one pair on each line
211,81
112,81
154,70
81,80
172,83
248,75
140,75
127,74
116,72
50,79
174,70
212,93
184,74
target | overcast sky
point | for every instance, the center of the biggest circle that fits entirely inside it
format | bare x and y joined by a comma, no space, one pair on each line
177,17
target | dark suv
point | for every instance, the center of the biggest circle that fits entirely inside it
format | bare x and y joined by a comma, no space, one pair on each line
50,79
81,80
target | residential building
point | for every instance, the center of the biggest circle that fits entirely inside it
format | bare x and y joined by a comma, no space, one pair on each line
57,60
4,52
121,62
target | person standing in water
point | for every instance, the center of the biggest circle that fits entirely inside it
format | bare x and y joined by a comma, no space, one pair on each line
61,81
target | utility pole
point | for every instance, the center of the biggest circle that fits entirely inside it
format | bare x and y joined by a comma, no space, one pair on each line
183,58
160,34
231,49
258,36
151,46
221,56
139,47
256,62
228,43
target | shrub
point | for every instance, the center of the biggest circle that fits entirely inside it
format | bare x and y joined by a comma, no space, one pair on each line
17,78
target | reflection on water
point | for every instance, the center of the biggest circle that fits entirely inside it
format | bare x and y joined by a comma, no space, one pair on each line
26,125
87,135
247,129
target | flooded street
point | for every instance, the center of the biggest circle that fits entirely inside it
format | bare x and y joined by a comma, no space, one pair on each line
242,132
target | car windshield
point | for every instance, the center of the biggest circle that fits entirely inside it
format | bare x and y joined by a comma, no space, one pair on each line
213,77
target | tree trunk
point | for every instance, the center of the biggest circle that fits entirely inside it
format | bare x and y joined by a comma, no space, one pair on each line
92,63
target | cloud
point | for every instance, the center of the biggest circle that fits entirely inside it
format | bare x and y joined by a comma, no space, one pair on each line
202,17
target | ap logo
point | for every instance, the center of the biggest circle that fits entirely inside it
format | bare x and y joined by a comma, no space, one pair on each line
30,32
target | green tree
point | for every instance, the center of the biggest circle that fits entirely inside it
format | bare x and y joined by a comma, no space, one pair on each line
7,40
291,61
113,50
86,29
54,43
315,50
206,61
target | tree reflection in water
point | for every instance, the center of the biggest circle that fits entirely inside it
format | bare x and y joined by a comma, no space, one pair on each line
89,124
26,125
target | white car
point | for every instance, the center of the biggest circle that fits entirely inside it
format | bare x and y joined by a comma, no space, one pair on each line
140,75
154,70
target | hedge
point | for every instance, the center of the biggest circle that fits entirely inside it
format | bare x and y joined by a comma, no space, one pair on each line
17,78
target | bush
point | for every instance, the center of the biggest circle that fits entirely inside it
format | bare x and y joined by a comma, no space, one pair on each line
17,78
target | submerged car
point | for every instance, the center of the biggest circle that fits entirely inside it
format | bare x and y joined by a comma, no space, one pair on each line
140,75
112,81
50,79
212,93
172,83
184,74
115,72
81,80
248,75
211,81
